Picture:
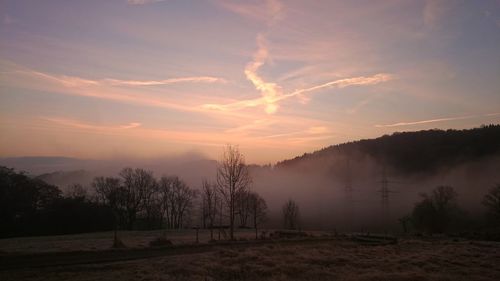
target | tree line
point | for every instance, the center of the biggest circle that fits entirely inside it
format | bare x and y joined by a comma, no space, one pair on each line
439,212
134,199
136,193
29,206
411,152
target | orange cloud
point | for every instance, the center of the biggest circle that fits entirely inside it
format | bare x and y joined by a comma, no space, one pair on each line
270,91
81,125
72,81
206,79
106,88
271,97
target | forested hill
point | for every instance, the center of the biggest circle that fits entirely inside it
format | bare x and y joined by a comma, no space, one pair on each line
412,152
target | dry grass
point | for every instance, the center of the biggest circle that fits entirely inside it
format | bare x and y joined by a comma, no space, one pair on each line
104,240
338,260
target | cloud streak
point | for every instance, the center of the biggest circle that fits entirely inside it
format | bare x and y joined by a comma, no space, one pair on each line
197,79
135,129
401,124
272,97
81,125
342,83
269,11
72,81
124,91
272,93
143,2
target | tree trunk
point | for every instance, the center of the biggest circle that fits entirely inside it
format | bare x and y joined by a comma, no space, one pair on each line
231,217
131,220
255,225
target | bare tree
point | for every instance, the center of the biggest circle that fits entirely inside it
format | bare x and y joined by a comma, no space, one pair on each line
209,209
291,214
110,192
152,207
258,210
176,200
443,196
436,210
492,202
76,191
243,207
139,185
232,178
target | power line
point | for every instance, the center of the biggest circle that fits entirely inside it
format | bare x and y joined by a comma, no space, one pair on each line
348,182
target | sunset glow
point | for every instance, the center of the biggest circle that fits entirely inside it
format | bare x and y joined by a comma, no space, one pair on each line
151,78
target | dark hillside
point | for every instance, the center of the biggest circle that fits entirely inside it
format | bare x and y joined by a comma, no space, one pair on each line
413,152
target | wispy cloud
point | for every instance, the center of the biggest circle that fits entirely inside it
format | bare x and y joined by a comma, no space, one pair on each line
197,79
72,81
435,10
81,125
126,91
272,97
400,124
342,83
185,136
110,89
131,125
68,81
269,11
143,2
270,91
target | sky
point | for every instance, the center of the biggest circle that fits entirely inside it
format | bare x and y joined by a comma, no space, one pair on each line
151,78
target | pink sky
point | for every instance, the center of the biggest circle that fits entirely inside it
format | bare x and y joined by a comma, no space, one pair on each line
149,78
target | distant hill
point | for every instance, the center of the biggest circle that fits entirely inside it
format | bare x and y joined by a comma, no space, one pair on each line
408,152
67,178
39,165
404,153
63,171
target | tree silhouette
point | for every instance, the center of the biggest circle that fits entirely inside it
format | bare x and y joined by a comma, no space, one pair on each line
138,185
291,214
243,207
76,191
435,211
209,208
232,178
492,202
176,199
110,192
258,210
22,199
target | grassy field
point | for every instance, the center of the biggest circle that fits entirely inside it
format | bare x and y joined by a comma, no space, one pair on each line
103,240
337,259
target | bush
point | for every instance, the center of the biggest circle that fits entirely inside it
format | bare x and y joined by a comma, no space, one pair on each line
436,211
161,241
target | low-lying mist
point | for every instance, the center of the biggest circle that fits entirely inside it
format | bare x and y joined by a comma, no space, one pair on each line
319,187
